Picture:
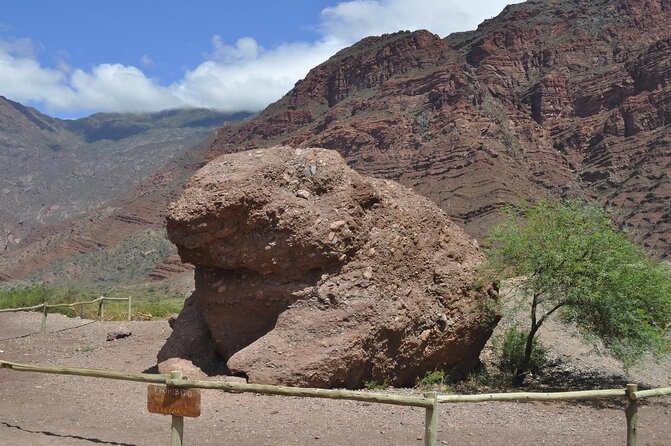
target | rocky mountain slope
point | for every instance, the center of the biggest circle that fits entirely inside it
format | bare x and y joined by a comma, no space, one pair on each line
568,97
56,169
558,96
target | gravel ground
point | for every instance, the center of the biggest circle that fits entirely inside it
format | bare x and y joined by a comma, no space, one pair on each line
41,409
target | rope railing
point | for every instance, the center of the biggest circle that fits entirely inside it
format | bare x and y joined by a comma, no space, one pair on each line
45,307
429,401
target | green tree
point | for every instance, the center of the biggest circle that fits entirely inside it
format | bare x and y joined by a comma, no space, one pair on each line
567,256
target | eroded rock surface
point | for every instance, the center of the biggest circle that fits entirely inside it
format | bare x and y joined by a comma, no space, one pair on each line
310,274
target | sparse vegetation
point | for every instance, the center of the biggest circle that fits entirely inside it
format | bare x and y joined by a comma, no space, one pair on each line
511,352
489,310
147,302
478,378
376,385
570,260
435,380
128,261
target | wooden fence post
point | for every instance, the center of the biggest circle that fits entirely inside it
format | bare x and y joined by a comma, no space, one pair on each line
177,427
43,327
129,308
101,308
431,420
632,414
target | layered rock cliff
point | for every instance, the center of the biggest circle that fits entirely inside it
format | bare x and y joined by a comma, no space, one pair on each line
556,97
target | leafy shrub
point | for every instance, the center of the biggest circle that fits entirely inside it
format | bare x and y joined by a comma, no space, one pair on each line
435,379
511,355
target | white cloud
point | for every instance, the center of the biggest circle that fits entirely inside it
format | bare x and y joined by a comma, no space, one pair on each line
353,20
22,78
254,79
107,87
244,49
234,77
118,87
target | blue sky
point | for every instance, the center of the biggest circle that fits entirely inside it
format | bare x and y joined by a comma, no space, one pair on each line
72,58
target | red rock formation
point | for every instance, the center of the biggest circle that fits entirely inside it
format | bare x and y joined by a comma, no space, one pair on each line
309,274
170,267
554,97
568,97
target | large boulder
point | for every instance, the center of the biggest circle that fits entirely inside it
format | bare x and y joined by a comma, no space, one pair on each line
310,274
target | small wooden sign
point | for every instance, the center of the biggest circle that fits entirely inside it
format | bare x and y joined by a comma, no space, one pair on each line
178,401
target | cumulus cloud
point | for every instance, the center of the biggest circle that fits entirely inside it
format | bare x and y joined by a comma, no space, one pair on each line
119,87
24,79
244,49
239,76
107,87
249,77
353,20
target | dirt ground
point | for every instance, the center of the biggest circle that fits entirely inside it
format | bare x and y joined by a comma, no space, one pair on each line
41,409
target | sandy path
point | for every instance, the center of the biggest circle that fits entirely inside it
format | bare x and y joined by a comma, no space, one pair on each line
39,409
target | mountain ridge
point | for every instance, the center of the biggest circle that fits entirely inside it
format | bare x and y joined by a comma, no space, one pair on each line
56,169
547,92
552,98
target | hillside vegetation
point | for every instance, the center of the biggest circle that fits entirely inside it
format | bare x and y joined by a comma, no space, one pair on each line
148,302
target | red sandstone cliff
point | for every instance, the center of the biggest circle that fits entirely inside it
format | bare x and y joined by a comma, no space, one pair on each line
550,97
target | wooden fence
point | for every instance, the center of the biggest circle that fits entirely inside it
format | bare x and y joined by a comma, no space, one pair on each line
429,401
45,308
